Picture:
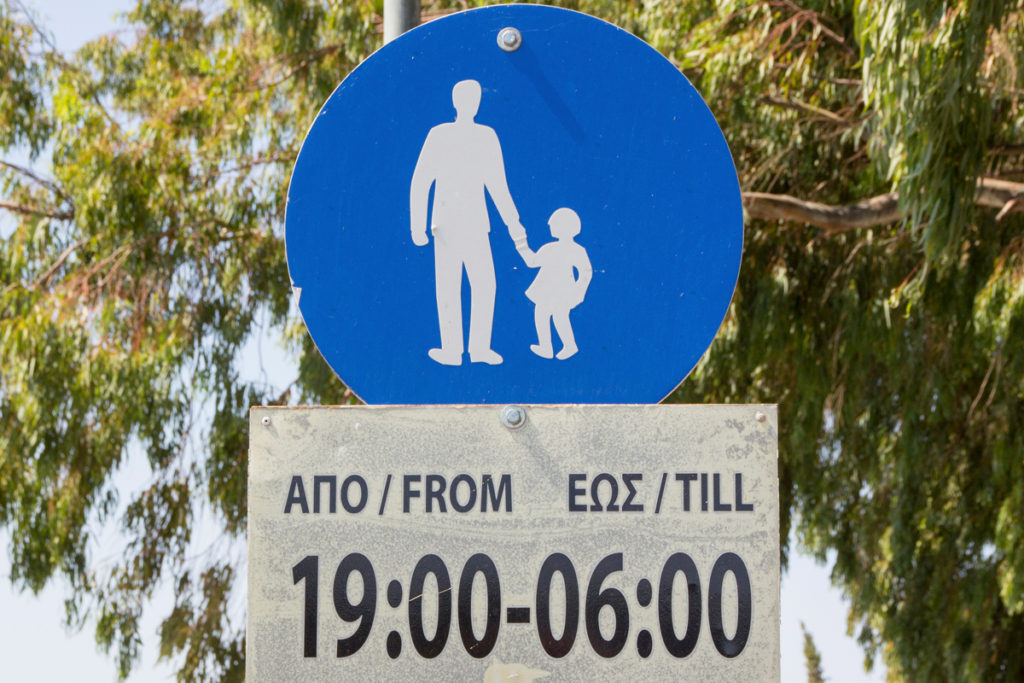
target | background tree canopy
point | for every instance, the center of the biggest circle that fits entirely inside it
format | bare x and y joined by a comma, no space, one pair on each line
880,301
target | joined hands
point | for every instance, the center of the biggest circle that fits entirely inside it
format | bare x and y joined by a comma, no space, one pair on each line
517,232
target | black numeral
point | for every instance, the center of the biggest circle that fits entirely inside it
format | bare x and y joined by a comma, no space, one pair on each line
362,611
308,570
432,647
483,564
729,647
679,647
557,564
609,597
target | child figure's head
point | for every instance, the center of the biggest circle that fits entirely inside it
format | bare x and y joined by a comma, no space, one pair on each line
564,224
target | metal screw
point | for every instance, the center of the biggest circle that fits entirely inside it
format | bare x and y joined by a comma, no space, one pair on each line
509,39
760,417
513,417
265,421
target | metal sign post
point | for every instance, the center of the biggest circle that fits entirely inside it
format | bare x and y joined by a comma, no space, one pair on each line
400,16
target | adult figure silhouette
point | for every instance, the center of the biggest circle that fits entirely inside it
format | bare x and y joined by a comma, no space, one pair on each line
462,161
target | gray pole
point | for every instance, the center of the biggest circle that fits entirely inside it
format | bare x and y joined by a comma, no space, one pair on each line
399,17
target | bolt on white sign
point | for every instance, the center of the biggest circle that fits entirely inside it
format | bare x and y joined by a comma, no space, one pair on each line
588,543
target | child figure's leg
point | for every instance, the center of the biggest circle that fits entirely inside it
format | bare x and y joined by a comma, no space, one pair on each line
542,319
561,320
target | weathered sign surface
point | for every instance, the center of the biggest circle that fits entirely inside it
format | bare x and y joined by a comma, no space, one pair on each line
590,543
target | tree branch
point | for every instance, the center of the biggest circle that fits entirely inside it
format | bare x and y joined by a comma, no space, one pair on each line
869,213
45,277
1004,195
45,182
35,211
808,109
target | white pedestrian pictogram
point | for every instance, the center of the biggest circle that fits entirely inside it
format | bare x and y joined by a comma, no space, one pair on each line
462,161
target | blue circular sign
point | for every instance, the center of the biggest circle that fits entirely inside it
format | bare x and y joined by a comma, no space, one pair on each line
514,204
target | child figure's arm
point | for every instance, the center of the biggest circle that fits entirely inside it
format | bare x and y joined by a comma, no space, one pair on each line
529,256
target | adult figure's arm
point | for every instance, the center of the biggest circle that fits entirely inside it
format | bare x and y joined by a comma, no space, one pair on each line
497,186
529,255
419,192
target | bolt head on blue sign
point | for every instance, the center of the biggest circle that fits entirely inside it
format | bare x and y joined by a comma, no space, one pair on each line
552,216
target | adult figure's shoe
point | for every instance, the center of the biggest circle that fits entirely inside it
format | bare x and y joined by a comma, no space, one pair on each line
445,357
543,351
568,351
488,356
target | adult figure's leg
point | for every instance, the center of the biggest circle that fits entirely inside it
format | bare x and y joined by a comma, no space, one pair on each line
480,272
448,287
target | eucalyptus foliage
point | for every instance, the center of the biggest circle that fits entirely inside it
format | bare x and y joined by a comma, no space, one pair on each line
146,250
812,658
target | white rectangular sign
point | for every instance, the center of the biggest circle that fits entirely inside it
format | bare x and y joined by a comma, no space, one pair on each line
435,543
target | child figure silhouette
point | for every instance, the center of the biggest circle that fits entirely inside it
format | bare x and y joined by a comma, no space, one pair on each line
561,282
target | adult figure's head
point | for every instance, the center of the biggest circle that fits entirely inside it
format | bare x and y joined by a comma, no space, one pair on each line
466,98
